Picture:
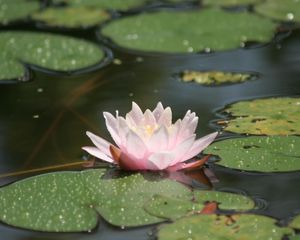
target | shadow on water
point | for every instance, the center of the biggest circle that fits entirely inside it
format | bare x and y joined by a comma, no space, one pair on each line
43,121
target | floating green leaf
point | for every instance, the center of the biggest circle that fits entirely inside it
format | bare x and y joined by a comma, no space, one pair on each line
263,154
295,223
271,116
170,208
71,17
226,200
229,3
105,4
69,201
13,10
50,51
189,31
214,77
214,227
283,10
296,237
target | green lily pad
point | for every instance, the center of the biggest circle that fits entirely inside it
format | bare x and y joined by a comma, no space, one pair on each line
189,31
71,17
49,51
229,3
271,116
263,154
245,226
296,237
283,10
13,10
226,200
295,223
105,4
70,201
214,77
170,208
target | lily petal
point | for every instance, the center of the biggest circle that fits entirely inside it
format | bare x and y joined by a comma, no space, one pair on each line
182,148
135,145
159,140
166,117
112,127
160,160
157,112
100,143
135,116
149,119
199,145
98,154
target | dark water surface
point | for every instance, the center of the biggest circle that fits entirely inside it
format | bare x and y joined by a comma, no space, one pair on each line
43,122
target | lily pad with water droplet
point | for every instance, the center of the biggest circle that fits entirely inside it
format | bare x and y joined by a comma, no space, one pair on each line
270,116
229,3
105,4
245,226
295,223
283,10
258,153
214,77
13,10
170,208
50,51
188,31
71,201
71,17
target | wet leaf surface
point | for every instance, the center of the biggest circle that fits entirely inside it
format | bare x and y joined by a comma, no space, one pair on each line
45,50
283,10
270,116
295,223
229,3
13,10
263,154
189,31
170,208
226,200
214,77
246,226
106,4
71,17
69,201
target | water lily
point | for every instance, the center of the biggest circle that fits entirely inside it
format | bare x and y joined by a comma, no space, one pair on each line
149,140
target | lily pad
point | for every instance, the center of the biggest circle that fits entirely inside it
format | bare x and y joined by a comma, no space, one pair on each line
226,200
189,31
13,10
263,154
296,237
70,201
245,226
170,208
105,4
229,3
45,50
71,17
214,77
271,116
295,223
283,10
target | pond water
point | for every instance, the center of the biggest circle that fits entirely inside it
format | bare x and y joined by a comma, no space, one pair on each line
43,121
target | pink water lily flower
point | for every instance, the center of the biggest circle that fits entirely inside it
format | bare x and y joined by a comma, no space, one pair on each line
149,140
